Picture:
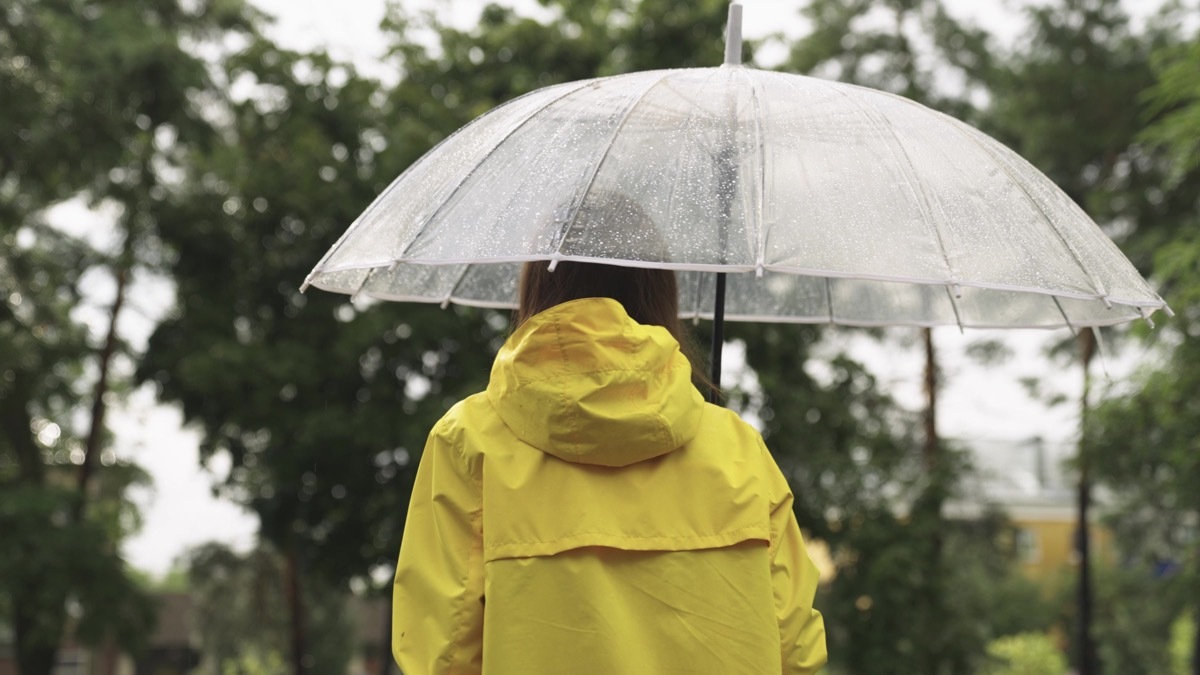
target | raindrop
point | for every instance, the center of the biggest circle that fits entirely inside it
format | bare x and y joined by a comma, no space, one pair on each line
344,313
476,55
231,206
108,457
15,299
260,204
77,456
340,153
327,173
338,492
812,416
505,55
287,392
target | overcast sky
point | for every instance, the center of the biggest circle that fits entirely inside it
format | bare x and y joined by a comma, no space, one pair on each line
977,403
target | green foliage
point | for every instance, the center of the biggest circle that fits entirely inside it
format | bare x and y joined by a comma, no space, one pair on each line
322,416
1134,615
1026,654
255,662
1174,103
1183,644
240,611
95,105
61,562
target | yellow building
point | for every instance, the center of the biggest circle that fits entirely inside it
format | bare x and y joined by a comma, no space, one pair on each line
1045,538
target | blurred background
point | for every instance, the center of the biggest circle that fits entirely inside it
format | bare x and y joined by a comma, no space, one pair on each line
204,471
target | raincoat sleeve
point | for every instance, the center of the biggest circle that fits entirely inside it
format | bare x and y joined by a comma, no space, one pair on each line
794,577
437,609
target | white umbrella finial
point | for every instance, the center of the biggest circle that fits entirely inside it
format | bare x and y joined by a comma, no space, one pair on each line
733,36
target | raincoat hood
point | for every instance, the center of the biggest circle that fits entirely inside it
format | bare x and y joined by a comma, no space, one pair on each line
584,382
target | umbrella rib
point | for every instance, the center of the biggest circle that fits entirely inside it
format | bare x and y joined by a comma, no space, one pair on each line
363,283
450,197
962,129
454,287
379,198
829,299
574,215
954,306
687,122
908,170
759,224
1067,319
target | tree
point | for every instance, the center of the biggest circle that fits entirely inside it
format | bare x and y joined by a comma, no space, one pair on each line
1064,101
1148,438
241,614
72,72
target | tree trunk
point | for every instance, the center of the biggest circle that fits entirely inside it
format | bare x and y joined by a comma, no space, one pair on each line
930,448
385,663
1087,654
91,448
33,658
927,511
296,610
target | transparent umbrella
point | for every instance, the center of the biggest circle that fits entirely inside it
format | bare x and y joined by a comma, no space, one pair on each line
821,201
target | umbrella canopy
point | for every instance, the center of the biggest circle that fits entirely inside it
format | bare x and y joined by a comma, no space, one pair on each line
826,202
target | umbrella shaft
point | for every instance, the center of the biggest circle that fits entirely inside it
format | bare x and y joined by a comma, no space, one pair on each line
718,338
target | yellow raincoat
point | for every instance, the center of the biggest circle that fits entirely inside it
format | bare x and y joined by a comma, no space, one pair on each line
590,513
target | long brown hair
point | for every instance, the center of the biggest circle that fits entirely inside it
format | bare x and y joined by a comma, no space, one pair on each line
613,225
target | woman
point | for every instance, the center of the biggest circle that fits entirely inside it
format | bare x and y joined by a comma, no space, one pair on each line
590,513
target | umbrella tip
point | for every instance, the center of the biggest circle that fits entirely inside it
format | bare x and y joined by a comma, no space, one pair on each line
1146,317
733,35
